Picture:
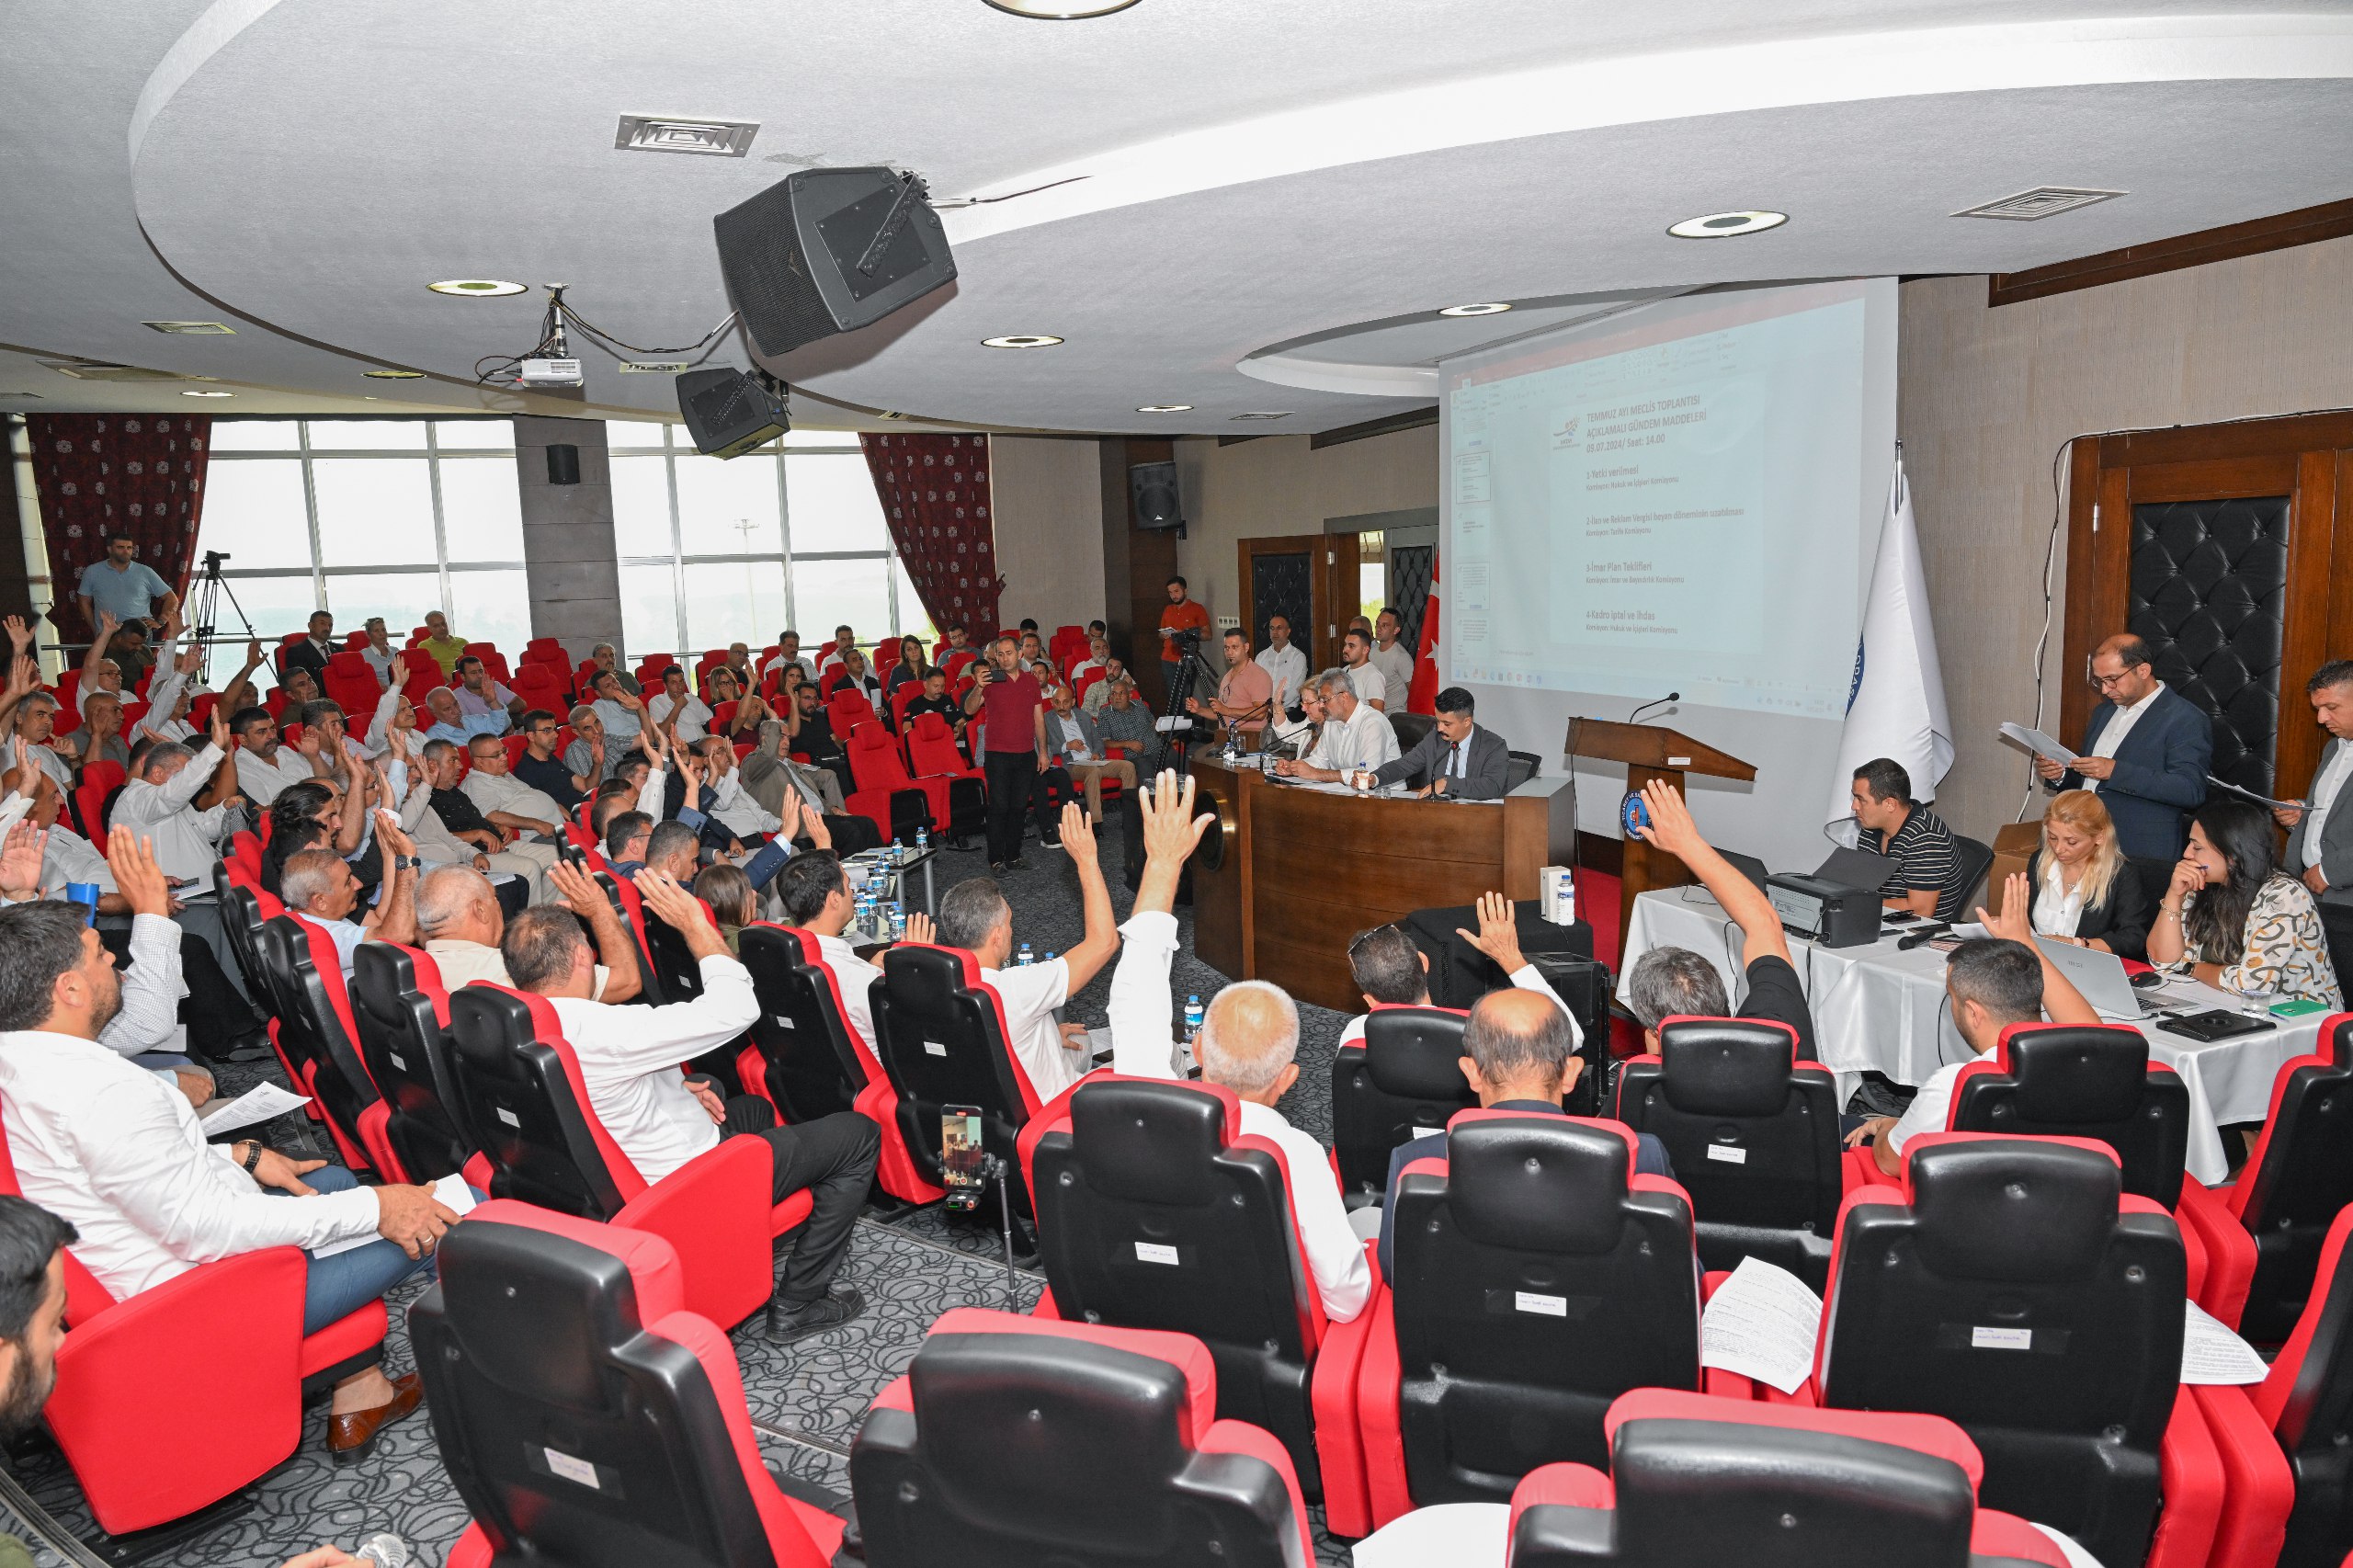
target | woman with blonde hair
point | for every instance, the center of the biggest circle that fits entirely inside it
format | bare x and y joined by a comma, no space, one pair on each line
2085,891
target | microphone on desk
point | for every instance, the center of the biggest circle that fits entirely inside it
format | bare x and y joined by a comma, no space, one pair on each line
1670,697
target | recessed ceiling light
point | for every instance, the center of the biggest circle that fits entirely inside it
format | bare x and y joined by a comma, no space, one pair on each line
1724,225
1020,340
1166,408
1060,10
205,392
1284,415
475,288
393,375
193,328
1493,308
671,133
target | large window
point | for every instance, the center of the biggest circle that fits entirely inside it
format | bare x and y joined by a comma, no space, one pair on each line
716,552
369,516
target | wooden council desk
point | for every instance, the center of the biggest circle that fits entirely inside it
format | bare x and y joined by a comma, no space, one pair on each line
1288,873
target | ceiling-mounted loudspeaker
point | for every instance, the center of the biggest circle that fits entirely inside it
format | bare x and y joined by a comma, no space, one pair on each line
828,251
728,413
1153,487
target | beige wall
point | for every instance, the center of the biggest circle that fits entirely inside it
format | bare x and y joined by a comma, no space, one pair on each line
1276,486
1988,395
1045,495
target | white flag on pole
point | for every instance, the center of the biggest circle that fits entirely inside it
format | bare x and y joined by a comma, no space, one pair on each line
1896,707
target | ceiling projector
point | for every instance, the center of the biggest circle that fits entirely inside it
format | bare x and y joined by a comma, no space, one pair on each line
550,373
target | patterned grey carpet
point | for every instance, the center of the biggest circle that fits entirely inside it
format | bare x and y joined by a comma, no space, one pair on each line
808,1397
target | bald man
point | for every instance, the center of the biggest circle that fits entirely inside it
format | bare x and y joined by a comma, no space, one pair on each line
1520,1054
459,917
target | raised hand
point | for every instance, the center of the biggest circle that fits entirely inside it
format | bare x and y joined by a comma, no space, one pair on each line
107,626
253,655
136,876
20,860
19,633
1498,933
921,929
24,677
1078,835
390,834
673,905
813,823
216,728
1171,832
1670,826
577,888
2015,923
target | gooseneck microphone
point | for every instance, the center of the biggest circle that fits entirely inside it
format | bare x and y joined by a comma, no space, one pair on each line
1670,697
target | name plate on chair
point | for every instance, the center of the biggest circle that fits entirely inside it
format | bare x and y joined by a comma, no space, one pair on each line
1546,1306
1428,1131
570,1469
1727,1154
1156,1251
1982,1338
784,1023
933,1047
398,1060
508,1116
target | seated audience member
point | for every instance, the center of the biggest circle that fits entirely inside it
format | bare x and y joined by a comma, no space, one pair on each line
121,1157
171,695
739,665
844,637
99,672
438,782
541,768
1459,757
1098,657
1927,878
445,646
381,656
1371,685
1518,1055
1124,722
2085,891
455,727
341,818
2233,919
813,737
1991,983
505,801
619,709
1098,695
1029,656
604,656
626,834
672,848
99,738
324,740
1357,738
312,652
1667,982
732,901
677,712
852,673
974,917
479,696
459,920
774,779
935,699
909,665
816,897
727,802
1083,751
1297,738
1391,970
629,1062
593,755
159,803
318,888
36,725
1246,693
265,765
788,651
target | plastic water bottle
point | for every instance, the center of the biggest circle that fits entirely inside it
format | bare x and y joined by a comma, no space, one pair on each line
923,839
898,922
898,852
1025,957
1193,1020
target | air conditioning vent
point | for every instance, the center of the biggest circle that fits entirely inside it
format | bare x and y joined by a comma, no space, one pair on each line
193,328
667,134
2042,201
651,366
92,371
1263,415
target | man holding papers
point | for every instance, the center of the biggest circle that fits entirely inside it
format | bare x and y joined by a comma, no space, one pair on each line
2146,751
2320,828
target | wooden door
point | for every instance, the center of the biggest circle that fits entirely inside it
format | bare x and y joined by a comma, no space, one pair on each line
1272,569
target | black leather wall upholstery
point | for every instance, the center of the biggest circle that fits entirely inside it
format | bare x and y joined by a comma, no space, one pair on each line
2209,592
1409,588
1280,585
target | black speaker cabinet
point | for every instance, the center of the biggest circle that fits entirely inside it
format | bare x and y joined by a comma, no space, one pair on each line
564,463
1153,488
728,412
802,257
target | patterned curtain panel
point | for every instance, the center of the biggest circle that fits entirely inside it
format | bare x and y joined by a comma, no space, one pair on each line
935,493
99,474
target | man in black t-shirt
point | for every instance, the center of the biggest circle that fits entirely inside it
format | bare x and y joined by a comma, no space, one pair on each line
935,699
1668,983
1926,880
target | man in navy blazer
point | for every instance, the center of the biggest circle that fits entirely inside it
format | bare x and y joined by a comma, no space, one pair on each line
2146,751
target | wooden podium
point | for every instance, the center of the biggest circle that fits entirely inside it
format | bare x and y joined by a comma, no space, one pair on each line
1649,751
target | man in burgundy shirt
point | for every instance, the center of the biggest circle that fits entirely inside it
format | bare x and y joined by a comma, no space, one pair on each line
1012,705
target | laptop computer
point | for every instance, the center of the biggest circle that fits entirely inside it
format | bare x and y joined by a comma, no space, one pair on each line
1748,866
2099,976
1856,869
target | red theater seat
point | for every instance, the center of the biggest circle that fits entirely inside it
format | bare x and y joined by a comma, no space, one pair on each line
2298,1179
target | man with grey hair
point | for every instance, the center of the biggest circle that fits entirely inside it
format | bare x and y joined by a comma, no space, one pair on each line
318,888
458,916
159,804
1391,970
460,819
1357,737
36,722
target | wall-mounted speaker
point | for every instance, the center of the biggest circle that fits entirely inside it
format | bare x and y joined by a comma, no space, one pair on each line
827,251
1153,487
728,413
563,464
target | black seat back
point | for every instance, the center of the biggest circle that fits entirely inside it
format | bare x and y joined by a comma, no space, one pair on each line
2309,1401
312,1032
397,1003
2082,1081
1155,1212
811,1066
940,1036
1537,1279
2298,1180
1402,1084
518,1088
2022,1294
576,1425
1752,1134
241,919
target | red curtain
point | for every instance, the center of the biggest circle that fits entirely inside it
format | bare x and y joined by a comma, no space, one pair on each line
934,494
99,474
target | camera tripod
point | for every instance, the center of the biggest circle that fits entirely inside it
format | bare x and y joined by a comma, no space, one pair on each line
208,590
1180,691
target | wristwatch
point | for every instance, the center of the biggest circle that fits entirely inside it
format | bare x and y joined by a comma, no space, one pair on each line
405,862
252,1161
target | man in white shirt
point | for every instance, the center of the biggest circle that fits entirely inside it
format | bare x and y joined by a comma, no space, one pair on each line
817,898
621,710
504,800
2320,831
319,888
36,724
788,651
1098,657
1355,737
1249,1038
1391,657
678,710
1284,664
114,1152
455,812
159,804
1991,983
730,803
1372,687
843,638
458,916
264,766
629,1062
974,917
479,696
1390,971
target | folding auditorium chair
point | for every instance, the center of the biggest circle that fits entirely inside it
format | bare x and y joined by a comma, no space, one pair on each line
351,685
932,754
2014,1287
1753,1135
908,691
2297,1179
100,779
1013,1441
876,766
955,661
519,1087
2307,1401
588,1414
2097,1081
420,674
1537,1277
240,1396
320,1044
849,711
1400,1083
941,1037
402,1012
1121,1158
491,660
1696,1479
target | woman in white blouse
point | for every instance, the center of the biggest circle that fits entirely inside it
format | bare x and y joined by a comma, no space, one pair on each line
2231,917
2085,891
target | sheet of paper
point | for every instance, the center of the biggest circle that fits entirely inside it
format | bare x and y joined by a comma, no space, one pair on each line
1098,1046
2266,801
2037,741
253,1108
1762,1323
2076,1556
450,1190
2213,1353
1968,931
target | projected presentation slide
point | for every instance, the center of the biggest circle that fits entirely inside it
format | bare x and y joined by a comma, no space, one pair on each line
1674,501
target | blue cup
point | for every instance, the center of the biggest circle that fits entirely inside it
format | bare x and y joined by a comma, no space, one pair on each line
87,895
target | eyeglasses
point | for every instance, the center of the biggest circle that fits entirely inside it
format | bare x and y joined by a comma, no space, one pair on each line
2101,682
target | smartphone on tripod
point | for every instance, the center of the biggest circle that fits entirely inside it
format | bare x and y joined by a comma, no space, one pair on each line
961,1154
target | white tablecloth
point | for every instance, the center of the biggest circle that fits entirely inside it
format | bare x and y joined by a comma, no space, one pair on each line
1883,1009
